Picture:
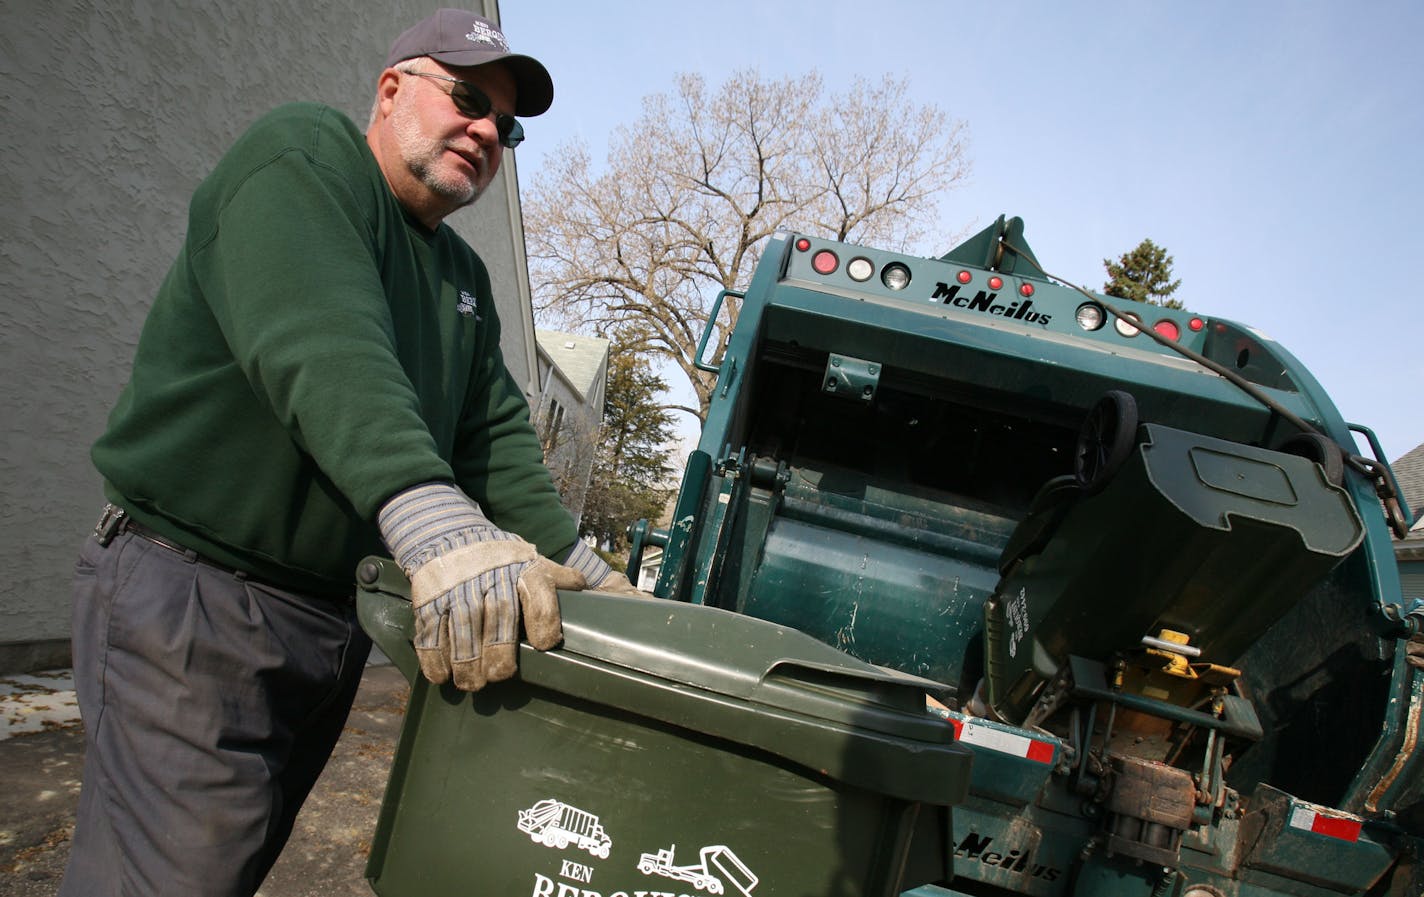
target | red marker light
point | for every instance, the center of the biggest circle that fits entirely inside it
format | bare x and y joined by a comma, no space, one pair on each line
1196,325
803,244
1169,329
825,262
964,277
1026,289
996,283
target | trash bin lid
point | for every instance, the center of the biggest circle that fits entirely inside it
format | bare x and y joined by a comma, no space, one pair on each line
734,677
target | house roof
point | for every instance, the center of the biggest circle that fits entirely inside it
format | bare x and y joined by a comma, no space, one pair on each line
1409,473
578,358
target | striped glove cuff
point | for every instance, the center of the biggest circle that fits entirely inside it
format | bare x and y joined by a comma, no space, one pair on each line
586,561
431,519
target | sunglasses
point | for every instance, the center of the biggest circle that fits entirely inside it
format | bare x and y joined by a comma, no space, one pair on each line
475,103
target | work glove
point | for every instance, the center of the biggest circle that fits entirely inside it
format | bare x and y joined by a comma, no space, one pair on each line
1414,651
469,582
600,576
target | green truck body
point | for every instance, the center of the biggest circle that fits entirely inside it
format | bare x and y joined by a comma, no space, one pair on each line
1165,618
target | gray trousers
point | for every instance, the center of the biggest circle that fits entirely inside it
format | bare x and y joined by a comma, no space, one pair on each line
210,705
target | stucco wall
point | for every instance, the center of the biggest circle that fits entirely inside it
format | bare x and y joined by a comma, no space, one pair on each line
114,113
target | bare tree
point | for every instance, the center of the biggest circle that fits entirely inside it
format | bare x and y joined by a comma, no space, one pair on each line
693,188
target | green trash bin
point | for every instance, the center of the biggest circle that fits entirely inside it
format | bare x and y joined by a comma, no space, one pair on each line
663,749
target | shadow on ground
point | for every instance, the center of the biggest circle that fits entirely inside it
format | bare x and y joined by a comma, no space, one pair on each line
326,856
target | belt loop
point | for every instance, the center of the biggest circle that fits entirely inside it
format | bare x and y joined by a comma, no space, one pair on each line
111,523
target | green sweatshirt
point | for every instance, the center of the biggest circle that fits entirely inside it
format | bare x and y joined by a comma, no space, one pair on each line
313,351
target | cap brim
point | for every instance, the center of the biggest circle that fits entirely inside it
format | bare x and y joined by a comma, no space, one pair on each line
531,80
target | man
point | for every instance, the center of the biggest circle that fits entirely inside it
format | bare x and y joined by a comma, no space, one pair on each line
320,374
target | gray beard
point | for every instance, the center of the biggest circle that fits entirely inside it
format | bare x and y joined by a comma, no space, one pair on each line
420,154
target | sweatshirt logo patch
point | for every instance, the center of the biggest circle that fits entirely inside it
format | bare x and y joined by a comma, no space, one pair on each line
466,305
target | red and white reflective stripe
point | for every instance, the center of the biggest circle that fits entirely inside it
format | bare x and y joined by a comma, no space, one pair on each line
984,736
1342,827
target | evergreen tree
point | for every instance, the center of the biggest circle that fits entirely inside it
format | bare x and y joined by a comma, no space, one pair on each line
631,467
1143,275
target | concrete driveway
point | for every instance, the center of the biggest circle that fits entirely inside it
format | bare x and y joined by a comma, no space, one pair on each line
42,754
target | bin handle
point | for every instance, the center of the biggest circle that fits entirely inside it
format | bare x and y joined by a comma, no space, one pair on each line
387,618
861,679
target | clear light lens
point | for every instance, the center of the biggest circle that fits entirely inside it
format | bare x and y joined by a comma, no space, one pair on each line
1127,326
1090,316
860,269
895,276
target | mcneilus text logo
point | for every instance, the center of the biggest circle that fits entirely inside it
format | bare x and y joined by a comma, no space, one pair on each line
988,304
979,849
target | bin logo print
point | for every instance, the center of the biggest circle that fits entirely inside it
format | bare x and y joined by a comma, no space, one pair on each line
554,823
718,869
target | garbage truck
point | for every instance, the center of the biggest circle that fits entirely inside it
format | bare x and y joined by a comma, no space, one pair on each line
556,824
1139,550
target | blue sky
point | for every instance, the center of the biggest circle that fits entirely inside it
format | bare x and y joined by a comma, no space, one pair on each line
1274,147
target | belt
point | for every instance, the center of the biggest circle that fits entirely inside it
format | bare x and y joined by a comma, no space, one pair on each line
115,521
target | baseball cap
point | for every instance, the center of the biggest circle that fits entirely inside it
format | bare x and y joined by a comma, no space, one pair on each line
459,38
